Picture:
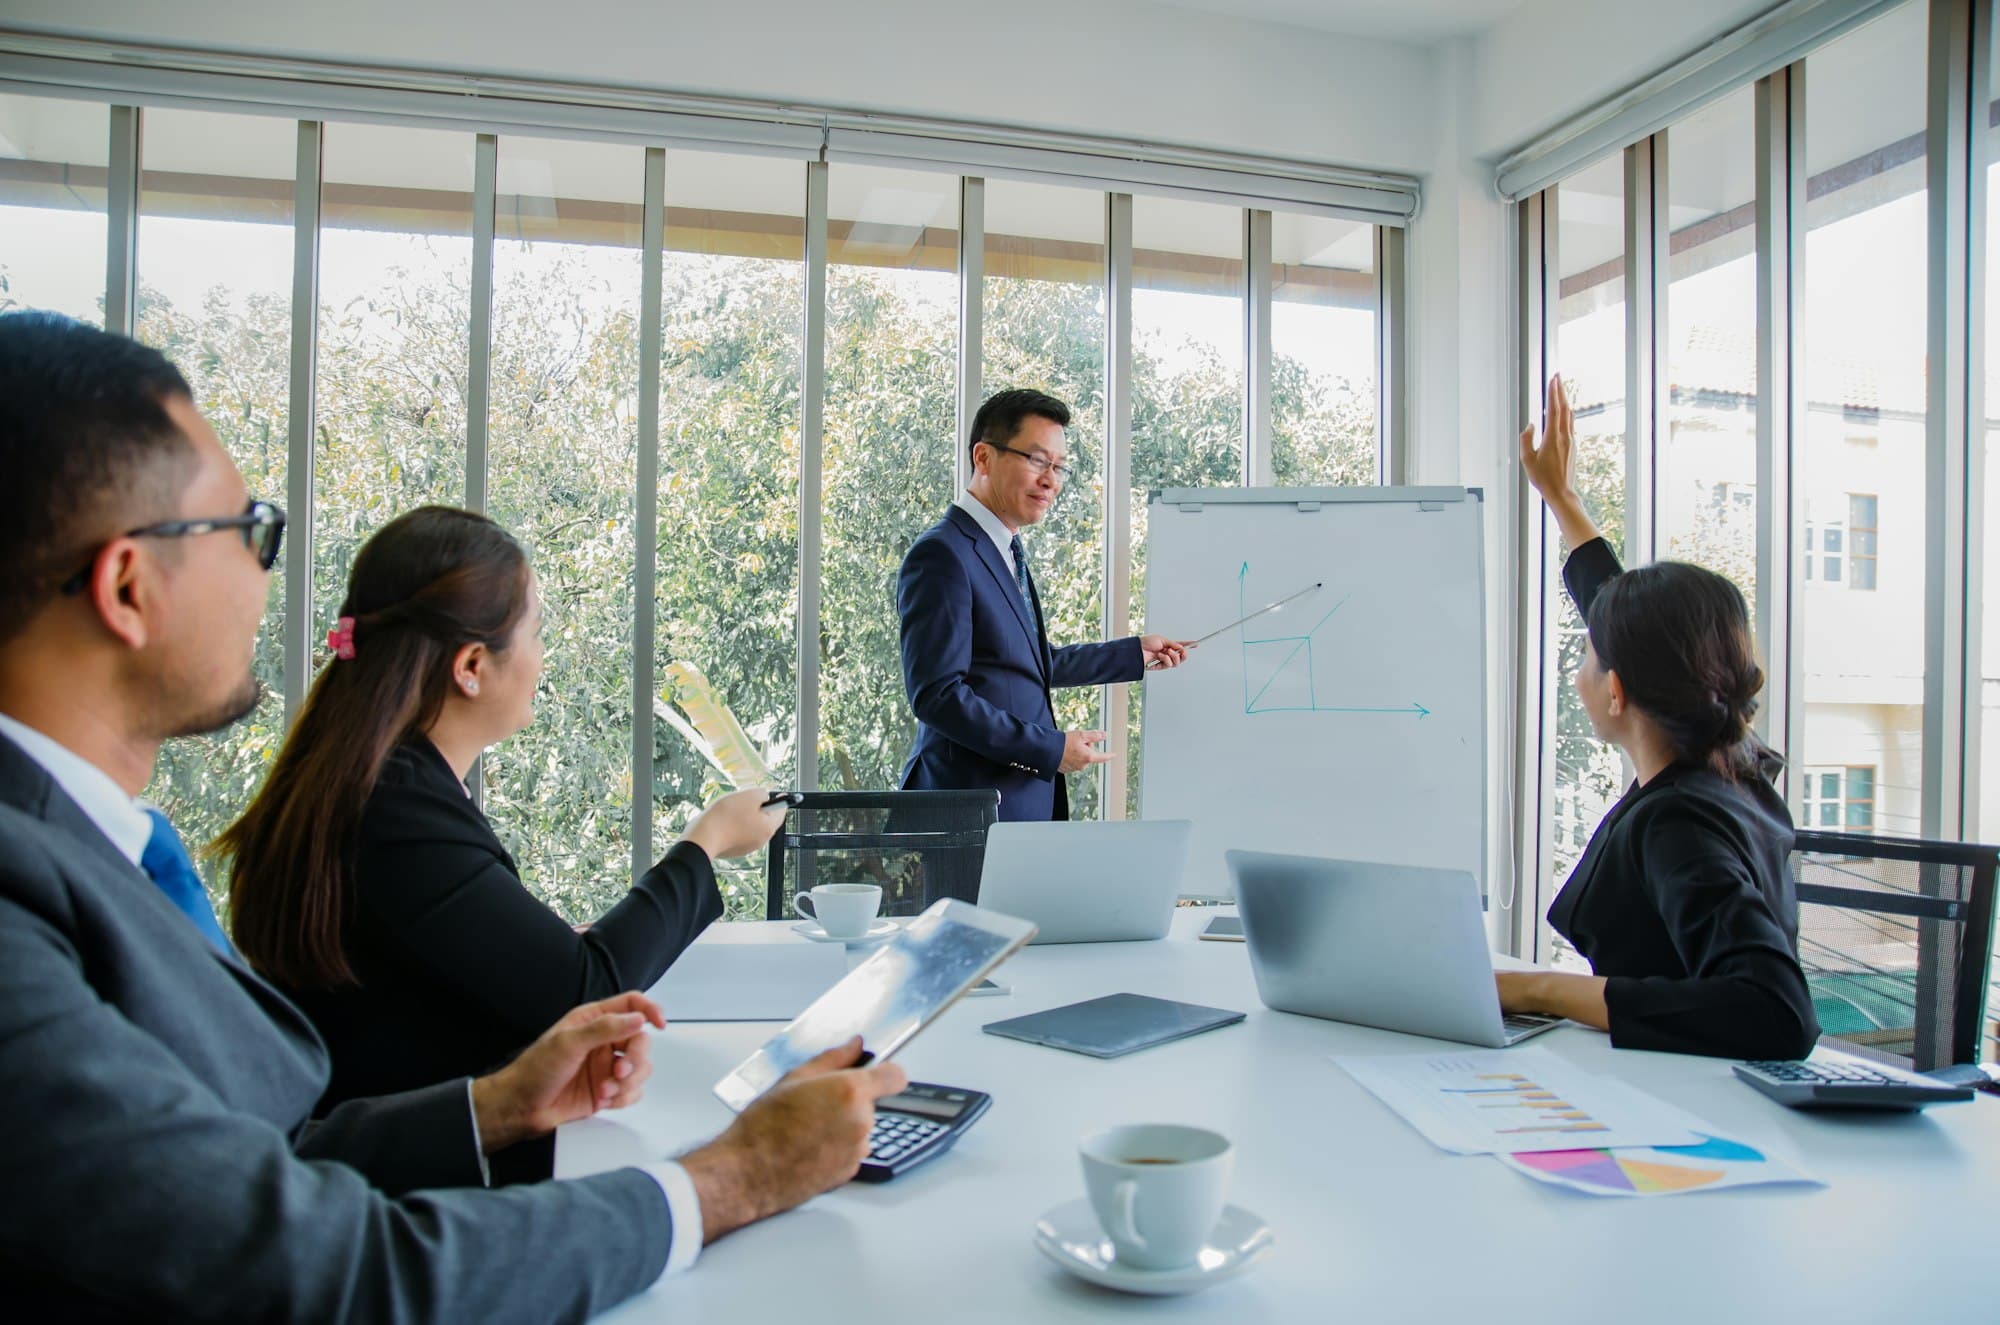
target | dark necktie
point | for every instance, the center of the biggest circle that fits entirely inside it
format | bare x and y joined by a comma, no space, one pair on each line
166,862
1020,567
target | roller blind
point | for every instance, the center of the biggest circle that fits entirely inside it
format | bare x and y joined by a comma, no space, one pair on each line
1772,40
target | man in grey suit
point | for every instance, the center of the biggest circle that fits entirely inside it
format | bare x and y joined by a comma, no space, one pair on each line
155,1156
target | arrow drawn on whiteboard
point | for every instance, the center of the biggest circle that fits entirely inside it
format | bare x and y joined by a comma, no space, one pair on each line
1301,644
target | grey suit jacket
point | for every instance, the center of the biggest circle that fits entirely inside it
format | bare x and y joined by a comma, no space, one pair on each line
155,1156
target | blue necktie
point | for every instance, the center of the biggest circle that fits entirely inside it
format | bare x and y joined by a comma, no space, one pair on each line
166,862
1020,567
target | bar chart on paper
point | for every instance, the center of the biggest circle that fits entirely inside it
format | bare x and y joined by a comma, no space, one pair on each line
1515,1104
1512,1101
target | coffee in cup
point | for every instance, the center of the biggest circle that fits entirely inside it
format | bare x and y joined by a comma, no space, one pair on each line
843,910
1157,1189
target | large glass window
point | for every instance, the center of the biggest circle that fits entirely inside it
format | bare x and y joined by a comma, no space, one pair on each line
1043,321
1710,452
1590,355
727,598
562,470
1987,825
1323,344
53,158
1862,466
890,436
394,328
215,283
1187,373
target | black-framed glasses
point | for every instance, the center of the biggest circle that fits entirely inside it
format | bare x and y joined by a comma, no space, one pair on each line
1041,463
262,523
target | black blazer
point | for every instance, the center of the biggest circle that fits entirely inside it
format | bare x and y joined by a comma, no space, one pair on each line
460,966
1684,901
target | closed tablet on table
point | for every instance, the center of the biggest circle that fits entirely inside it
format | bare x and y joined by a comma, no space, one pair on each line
1113,1025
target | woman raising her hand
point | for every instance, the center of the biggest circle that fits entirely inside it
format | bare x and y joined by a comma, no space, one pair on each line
1682,902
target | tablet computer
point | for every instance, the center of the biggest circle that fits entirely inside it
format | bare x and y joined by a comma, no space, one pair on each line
1114,1025
902,987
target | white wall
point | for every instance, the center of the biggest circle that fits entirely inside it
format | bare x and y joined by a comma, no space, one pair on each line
1547,60
1119,67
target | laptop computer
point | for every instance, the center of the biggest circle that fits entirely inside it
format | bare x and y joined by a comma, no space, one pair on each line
1394,946
1087,882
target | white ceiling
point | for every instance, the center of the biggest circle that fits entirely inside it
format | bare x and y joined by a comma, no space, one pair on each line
1388,20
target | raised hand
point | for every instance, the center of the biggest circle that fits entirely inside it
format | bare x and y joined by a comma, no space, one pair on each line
1550,468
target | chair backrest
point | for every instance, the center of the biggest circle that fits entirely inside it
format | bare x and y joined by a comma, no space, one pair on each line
1895,935
920,846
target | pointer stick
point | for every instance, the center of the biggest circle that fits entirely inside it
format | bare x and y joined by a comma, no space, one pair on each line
1268,607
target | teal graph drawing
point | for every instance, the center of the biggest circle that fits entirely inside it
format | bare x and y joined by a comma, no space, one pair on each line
1278,670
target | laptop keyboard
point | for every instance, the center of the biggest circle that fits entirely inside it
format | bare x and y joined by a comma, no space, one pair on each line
1526,1021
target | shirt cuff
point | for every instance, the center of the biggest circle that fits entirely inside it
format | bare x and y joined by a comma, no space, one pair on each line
684,1209
478,1145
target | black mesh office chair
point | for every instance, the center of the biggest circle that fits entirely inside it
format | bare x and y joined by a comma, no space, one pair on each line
1895,935
918,845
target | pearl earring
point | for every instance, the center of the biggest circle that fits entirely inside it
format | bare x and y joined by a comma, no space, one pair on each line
472,687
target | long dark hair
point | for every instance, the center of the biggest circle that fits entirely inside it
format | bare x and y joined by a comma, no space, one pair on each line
1679,638
427,584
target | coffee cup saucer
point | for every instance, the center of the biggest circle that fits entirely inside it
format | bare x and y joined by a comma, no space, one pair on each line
1070,1236
879,929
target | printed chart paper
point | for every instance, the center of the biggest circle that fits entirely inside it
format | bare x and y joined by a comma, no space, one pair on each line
1513,1101
1715,1164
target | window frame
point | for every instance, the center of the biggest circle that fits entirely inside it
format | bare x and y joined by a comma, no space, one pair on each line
1956,136
128,106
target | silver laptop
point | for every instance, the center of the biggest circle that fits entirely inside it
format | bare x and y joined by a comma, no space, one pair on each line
1393,946
1087,882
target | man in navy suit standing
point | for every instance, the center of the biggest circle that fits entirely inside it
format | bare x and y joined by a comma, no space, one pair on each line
976,658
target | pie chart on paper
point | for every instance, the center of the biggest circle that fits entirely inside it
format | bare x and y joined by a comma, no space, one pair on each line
1655,1171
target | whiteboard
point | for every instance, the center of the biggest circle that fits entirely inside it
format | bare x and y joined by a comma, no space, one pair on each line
1351,722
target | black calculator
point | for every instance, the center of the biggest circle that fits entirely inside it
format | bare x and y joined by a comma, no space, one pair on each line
1830,1082
918,1125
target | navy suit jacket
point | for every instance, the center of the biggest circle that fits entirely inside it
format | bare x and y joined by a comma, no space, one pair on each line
978,669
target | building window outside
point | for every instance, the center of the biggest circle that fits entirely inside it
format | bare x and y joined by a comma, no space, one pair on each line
1849,538
1861,529
1825,541
1840,798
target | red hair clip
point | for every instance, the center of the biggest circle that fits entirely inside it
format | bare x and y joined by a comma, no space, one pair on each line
341,638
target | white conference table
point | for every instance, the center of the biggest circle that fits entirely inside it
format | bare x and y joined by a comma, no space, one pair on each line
1372,1222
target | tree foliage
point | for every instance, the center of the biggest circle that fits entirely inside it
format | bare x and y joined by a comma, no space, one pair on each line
392,409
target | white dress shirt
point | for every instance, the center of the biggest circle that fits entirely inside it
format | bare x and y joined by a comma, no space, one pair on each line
125,823
1002,536
122,820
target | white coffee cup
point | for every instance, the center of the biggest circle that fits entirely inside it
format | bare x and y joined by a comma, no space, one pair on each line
843,910
1157,1189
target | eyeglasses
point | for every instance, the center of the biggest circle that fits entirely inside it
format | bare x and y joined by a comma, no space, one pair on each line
262,523
1040,463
